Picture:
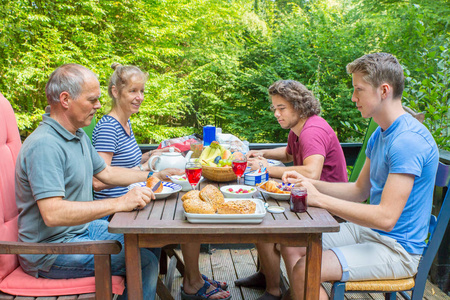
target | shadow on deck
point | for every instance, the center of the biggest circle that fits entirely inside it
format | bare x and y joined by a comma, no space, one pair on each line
231,264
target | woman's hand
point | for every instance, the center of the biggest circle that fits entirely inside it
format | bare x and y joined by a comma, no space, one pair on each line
169,172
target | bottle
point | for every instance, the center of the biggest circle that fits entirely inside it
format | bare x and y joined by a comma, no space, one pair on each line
209,135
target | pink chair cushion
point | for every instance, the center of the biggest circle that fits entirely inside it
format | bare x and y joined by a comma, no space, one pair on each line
8,262
20,283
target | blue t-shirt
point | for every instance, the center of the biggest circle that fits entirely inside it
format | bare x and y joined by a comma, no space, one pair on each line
110,136
406,147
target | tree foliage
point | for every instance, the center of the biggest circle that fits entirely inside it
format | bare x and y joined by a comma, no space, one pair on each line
211,61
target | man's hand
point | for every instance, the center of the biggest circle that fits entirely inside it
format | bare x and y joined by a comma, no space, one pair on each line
293,177
255,163
255,153
169,172
137,198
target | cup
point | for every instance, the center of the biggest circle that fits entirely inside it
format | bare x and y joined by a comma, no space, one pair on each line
298,200
209,135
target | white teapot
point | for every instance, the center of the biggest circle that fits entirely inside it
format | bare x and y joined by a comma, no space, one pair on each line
169,159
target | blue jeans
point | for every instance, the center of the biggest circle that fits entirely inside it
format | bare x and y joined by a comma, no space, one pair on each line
82,265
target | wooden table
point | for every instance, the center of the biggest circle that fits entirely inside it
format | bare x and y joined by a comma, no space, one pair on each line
162,222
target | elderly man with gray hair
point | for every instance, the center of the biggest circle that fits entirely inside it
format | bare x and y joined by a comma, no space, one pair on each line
54,184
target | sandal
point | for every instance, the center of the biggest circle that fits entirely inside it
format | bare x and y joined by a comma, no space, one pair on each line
218,284
202,294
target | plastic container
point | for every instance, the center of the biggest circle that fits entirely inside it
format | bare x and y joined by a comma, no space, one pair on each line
253,178
209,135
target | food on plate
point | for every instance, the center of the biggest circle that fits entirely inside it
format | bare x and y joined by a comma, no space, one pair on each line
190,195
237,207
212,195
274,187
240,190
152,181
180,178
197,206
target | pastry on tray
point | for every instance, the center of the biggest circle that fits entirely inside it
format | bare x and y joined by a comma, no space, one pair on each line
212,195
237,207
190,195
197,206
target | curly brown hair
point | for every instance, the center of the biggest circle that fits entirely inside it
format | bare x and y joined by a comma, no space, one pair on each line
298,95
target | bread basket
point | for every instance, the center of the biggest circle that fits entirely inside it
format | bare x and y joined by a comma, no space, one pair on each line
218,174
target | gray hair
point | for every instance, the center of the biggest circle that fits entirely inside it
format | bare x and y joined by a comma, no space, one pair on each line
379,68
68,78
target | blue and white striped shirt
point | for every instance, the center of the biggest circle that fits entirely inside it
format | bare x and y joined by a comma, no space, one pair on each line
110,136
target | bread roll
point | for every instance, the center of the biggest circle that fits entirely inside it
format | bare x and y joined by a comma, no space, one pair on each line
197,206
212,195
237,207
152,181
190,195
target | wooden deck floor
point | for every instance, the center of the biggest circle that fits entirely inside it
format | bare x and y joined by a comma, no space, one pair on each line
231,264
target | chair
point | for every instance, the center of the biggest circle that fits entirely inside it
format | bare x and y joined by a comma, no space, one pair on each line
361,158
417,283
13,280
90,128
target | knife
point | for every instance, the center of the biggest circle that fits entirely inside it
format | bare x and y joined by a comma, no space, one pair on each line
157,185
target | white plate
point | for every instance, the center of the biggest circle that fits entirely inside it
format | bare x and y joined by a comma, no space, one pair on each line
225,191
185,185
275,195
274,162
168,189
255,218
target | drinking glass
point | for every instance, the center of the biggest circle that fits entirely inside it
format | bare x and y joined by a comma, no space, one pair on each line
239,164
298,200
193,173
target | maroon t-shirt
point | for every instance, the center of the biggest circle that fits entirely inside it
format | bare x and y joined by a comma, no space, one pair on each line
317,137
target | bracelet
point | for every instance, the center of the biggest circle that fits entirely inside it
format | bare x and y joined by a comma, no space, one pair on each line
141,167
149,174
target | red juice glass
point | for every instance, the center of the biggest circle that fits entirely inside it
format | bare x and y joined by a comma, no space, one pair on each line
298,200
239,164
193,173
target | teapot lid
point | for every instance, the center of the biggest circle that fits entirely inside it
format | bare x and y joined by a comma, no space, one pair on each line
171,152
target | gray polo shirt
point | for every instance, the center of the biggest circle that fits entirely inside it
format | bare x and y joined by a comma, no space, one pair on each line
52,162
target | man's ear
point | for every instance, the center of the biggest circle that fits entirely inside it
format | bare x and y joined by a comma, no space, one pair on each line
386,89
64,98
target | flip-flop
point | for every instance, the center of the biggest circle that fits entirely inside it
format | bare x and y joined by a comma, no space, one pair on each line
202,294
218,284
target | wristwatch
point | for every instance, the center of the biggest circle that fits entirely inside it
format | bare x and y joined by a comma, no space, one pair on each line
141,167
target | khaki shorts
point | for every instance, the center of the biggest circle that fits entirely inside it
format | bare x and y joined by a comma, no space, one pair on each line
367,255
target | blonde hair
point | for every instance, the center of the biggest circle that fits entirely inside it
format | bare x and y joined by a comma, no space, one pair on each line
122,76
379,68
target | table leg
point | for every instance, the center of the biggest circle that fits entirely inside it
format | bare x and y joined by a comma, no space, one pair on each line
133,266
313,266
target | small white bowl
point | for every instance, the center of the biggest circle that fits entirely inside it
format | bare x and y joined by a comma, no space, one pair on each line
182,180
231,191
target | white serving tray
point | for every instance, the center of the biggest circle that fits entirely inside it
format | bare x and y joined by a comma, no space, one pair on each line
255,218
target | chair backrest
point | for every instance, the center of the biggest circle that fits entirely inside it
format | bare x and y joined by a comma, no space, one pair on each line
437,230
361,158
90,128
9,149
